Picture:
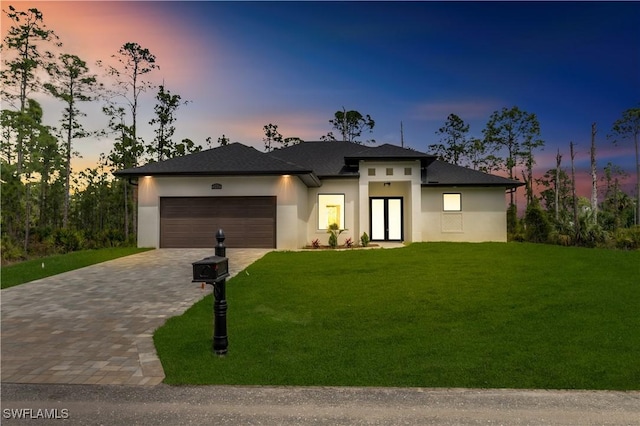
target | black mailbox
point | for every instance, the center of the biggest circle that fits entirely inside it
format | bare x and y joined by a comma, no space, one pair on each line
210,269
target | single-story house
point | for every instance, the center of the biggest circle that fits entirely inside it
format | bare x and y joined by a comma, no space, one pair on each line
289,197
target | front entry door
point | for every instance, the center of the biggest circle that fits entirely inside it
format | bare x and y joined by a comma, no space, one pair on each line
385,217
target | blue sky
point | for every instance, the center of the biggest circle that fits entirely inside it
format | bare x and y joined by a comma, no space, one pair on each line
246,64
418,62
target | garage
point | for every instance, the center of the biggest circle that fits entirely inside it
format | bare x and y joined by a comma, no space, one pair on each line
192,222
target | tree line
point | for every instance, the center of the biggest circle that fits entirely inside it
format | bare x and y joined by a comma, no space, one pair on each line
45,206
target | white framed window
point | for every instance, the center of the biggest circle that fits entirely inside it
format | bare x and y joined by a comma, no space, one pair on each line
330,210
452,202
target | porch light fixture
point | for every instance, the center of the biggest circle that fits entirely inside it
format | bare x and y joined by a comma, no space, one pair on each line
387,184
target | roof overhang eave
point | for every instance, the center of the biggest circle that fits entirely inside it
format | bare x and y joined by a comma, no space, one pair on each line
424,160
477,185
341,176
123,173
306,176
311,180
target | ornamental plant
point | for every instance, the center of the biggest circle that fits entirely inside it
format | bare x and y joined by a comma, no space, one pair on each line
348,243
364,239
335,231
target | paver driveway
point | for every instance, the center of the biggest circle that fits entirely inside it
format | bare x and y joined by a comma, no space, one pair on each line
95,324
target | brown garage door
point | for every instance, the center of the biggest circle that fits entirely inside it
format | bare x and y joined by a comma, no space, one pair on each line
192,222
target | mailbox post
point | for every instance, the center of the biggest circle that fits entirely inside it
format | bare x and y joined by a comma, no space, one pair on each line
214,270
220,339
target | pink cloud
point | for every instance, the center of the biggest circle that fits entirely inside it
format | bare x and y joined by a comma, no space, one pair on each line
96,30
618,155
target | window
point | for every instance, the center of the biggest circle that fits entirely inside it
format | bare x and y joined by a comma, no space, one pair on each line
372,172
389,171
330,210
452,202
407,171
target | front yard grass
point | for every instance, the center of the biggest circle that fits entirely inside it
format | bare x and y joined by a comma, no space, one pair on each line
30,270
485,315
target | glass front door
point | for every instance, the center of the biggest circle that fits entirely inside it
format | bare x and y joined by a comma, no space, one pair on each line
386,218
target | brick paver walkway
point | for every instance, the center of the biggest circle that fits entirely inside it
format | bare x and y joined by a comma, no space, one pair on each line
95,324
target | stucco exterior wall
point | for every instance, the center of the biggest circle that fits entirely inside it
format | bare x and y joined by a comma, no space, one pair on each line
291,215
482,218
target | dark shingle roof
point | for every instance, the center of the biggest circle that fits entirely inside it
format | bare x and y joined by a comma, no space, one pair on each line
324,158
388,151
311,161
440,173
340,159
232,159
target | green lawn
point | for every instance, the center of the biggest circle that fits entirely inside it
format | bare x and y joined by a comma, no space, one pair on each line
432,314
30,270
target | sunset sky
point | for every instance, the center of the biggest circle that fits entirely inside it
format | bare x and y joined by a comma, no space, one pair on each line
245,64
